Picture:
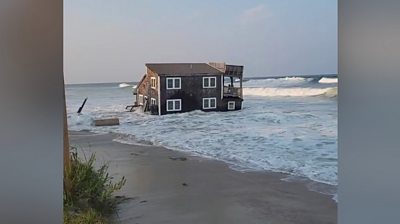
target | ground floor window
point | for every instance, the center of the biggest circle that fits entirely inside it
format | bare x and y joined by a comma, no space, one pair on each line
153,101
231,105
209,103
174,105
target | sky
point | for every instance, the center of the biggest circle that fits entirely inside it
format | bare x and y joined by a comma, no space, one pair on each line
110,41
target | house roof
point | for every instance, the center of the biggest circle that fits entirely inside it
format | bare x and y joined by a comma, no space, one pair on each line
183,68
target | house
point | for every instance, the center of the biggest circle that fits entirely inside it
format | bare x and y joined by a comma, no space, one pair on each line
182,87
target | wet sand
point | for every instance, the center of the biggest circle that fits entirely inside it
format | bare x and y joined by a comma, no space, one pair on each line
166,186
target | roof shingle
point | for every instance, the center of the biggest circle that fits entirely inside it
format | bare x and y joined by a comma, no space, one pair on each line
182,68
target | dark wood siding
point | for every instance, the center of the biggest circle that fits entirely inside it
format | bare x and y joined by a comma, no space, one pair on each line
224,103
191,92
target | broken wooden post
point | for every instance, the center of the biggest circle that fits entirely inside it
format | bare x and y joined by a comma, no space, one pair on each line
83,104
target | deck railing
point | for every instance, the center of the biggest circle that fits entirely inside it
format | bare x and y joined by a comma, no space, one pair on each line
232,91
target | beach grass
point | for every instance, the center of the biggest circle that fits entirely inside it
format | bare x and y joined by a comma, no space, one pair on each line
88,192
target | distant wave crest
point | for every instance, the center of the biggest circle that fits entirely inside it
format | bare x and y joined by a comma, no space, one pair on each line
123,85
290,92
270,82
328,80
295,79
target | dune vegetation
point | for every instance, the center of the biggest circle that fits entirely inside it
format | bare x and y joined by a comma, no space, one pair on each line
89,191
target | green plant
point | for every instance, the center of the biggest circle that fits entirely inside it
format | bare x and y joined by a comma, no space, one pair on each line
88,192
89,216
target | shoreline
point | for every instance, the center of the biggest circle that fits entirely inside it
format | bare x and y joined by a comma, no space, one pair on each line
312,185
166,185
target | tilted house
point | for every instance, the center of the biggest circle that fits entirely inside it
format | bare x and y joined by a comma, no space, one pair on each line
182,87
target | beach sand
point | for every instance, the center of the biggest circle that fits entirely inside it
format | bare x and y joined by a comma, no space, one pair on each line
166,186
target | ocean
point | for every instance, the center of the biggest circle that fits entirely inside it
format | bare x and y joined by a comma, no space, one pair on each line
287,124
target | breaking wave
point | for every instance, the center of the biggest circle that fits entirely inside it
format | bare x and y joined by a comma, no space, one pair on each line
290,92
328,80
296,79
123,85
274,82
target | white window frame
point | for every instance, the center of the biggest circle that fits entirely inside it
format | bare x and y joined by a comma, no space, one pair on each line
173,82
173,105
209,103
153,101
153,81
140,99
229,105
209,82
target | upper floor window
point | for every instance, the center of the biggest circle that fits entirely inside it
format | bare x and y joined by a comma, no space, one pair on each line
174,83
153,82
209,82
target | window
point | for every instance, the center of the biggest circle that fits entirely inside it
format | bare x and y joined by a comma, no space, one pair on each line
153,101
209,82
173,83
174,105
231,105
153,82
209,103
140,100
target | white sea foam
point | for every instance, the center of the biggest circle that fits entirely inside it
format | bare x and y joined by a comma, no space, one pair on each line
80,119
285,141
335,198
295,135
328,80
